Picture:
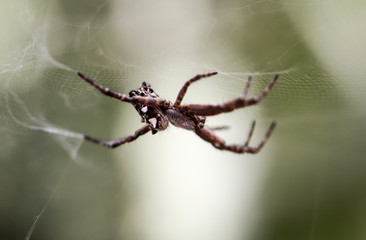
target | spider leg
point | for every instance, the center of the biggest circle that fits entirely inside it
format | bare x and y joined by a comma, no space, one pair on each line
250,134
219,128
183,91
209,136
124,98
247,87
210,110
104,90
118,142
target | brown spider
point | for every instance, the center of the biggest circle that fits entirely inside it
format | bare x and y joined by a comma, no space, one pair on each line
157,112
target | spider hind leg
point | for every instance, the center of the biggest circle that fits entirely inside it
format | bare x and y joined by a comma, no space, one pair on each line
209,136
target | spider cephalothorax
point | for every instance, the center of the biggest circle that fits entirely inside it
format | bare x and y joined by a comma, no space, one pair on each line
151,115
158,117
157,112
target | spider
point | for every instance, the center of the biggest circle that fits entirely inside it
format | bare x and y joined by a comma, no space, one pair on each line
157,112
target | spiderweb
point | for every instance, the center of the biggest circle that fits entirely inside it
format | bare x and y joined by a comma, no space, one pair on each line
173,185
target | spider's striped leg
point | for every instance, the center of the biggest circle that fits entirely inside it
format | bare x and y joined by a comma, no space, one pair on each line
210,110
124,98
209,136
183,91
116,143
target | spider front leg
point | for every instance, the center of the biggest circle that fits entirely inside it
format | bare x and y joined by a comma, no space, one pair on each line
209,136
116,143
210,110
124,98
183,91
104,90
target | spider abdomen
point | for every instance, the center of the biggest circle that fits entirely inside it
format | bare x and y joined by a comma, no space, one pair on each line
181,120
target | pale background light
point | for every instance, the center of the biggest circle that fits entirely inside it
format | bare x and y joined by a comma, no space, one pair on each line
307,182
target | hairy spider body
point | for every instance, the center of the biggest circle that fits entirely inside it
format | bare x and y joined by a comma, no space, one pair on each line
157,112
151,115
185,120
158,118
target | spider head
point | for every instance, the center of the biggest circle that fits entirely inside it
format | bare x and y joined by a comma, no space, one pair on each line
151,115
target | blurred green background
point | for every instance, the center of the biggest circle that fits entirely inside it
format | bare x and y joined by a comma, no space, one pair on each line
308,182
